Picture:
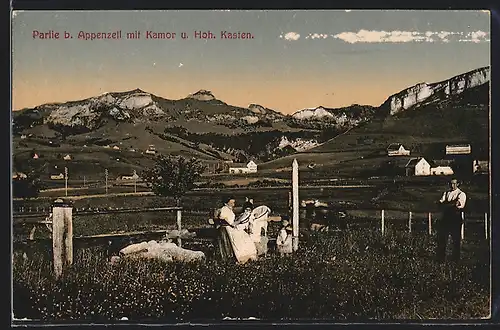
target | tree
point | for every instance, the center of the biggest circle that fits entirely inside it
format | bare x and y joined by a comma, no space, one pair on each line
173,176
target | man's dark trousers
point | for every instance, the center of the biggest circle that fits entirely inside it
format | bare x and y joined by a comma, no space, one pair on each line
449,224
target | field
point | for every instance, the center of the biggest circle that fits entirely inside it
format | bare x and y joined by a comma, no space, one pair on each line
348,276
353,274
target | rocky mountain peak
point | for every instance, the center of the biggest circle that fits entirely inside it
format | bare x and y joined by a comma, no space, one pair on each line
257,108
424,93
202,95
316,113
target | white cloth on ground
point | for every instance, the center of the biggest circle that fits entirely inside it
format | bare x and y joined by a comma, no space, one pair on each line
165,251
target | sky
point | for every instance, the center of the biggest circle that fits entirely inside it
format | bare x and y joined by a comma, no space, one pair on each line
295,60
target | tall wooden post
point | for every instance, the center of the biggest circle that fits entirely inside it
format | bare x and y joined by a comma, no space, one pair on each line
106,175
430,223
295,202
66,181
62,235
462,231
179,226
485,225
409,222
382,224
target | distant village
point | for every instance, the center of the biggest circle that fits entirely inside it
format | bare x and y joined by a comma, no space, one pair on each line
457,156
400,162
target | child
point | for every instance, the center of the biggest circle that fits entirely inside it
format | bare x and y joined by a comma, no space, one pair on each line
284,239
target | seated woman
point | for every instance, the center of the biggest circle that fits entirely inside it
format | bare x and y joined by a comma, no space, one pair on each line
242,247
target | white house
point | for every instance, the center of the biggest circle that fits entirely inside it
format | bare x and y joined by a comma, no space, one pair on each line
442,167
35,156
241,168
116,147
67,157
134,176
397,149
151,149
458,149
23,136
442,170
418,166
480,166
59,176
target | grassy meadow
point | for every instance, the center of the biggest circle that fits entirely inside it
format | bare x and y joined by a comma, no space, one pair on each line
343,276
350,275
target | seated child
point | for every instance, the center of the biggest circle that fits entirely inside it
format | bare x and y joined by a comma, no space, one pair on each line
284,239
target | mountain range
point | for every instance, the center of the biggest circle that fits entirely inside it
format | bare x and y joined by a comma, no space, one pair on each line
203,126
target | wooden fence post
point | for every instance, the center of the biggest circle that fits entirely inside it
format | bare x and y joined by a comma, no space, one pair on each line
62,235
382,223
295,207
485,225
179,226
462,231
430,223
409,222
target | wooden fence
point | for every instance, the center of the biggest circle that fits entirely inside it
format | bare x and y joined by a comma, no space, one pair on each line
61,220
62,225
410,223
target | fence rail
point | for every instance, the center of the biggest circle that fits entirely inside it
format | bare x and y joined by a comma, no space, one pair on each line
409,219
61,218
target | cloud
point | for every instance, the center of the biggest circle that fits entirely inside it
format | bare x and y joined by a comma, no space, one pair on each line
291,36
366,36
317,36
396,36
476,37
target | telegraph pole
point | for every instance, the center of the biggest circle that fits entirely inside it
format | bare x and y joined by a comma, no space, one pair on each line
135,181
66,180
84,181
106,174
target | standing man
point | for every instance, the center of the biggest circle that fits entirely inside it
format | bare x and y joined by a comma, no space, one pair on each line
452,203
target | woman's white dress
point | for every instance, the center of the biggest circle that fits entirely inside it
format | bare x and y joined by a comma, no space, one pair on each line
243,247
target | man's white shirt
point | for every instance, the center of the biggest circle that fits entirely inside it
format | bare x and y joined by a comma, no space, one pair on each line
456,194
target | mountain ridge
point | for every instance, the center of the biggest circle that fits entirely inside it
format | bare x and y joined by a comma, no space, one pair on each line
205,124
